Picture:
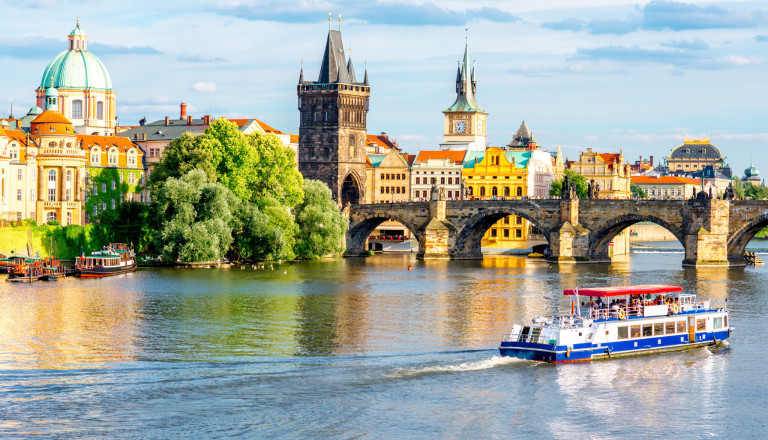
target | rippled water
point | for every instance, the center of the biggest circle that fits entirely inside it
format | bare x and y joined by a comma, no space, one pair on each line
362,348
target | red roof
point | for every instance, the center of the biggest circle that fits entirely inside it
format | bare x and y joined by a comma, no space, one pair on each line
645,289
380,141
668,180
456,157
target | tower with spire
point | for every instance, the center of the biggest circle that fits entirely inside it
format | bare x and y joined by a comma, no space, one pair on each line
465,119
332,125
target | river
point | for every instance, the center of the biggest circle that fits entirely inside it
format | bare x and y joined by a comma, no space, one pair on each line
363,348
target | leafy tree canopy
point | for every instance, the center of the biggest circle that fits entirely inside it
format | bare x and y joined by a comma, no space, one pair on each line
755,191
556,189
321,224
181,156
196,218
130,222
738,188
637,191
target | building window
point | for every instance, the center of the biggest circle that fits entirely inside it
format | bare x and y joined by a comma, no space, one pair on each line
50,217
519,191
95,210
103,187
100,110
132,158
31,195
69,218
113,185
518,233
131,179
506,233
494,191
351,145
19,174
518,220
121,178
19,195
77,109
442,181
113,204
418,181
506,191
482,191
113,157
51,194
95,156
493,232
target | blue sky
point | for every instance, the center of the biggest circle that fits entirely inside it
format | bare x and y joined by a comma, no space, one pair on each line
606,74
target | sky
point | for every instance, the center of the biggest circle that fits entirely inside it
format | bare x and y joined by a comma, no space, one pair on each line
603,74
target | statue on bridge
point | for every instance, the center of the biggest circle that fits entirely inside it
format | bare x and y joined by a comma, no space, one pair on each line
568,189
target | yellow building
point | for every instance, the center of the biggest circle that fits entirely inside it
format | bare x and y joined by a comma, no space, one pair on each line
499,174
388,177
608,170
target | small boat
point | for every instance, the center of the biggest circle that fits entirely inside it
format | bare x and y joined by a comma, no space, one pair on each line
640,320
535,255
115,259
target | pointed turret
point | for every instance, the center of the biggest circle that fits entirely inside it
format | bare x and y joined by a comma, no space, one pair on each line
365,81
465,88
458,77
522,138
351,71
301,75
474,81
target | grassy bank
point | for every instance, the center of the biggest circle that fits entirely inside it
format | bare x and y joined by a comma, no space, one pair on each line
44,239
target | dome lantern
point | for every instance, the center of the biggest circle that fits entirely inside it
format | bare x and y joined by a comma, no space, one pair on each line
51,99
78,38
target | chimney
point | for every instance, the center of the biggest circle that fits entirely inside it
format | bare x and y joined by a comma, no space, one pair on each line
189,120
207,119
183,111
166,120
651,160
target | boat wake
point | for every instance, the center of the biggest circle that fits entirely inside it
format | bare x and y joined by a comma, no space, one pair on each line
485,364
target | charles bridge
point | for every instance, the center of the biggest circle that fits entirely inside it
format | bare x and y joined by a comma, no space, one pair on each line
713,232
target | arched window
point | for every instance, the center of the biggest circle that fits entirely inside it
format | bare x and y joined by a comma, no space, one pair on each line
506,191
77,109
52,186
519,191
132,158
494,191
95,156
113,157
100,110
69,218
351,145
50,216
77,44
482,191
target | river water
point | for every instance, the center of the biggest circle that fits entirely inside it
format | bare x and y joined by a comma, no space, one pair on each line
363,348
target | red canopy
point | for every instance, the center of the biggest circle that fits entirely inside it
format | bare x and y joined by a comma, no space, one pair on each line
644,289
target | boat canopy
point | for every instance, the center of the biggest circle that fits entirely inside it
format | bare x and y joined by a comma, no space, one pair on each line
645,289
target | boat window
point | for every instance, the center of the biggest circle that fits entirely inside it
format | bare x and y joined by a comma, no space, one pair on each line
623,333
701,324
647,330
717,322
658,328
681,326
670,327
725,321
634,331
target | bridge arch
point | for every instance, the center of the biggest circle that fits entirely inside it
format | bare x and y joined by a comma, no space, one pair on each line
362,225
600,239
468,240
738,241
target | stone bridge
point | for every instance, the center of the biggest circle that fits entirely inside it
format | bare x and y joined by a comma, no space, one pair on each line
713,232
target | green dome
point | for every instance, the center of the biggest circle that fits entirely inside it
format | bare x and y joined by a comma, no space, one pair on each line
751,172
77,30
76,69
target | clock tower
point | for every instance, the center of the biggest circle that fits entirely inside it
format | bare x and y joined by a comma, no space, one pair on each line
465,119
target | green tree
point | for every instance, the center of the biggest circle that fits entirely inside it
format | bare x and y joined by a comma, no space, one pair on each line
756,192
556,188
130,222
321,224
181,156
266,233
196,218
233,158
637,191
275,174
738,188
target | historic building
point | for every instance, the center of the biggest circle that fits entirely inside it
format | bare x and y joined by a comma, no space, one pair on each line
608,170
464,126
439,168
85,89
669,187
114,173
388,177
693,155
752,175
332,125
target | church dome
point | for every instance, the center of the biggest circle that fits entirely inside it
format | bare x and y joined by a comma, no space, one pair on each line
76,68
751,172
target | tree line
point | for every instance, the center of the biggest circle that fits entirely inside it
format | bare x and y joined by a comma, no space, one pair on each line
226,194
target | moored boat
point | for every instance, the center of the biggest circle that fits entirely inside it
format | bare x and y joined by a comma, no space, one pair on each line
638,320
115,259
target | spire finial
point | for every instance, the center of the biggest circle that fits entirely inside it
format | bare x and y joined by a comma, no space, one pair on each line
330,20
339,22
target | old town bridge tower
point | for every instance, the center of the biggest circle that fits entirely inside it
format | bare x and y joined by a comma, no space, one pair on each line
332,128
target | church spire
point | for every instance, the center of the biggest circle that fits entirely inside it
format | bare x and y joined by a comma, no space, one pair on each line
466,86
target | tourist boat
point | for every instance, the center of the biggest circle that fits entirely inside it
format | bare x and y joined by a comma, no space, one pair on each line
639,320
115,259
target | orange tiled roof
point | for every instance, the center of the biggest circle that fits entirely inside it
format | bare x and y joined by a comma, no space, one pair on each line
456,157
17,135
665,180
294,138
380,141
104,142
51,117
409,158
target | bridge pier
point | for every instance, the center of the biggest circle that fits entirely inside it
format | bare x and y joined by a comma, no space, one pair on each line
706,232
438,233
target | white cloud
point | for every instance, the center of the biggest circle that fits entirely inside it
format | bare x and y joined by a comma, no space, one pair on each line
202,86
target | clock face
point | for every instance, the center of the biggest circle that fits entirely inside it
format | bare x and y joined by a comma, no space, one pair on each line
460,126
